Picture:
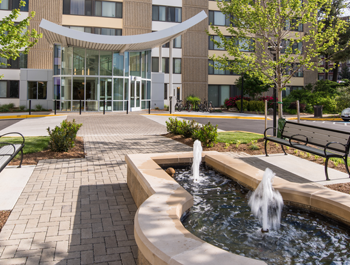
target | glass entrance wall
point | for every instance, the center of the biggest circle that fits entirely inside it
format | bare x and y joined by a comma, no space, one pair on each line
94,80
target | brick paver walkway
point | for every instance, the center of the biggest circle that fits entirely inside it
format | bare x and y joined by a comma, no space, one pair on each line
80,211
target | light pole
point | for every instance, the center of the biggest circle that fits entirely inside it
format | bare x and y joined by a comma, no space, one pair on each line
272,50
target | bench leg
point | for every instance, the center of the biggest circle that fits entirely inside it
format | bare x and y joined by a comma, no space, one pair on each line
283,149
266,148
20,164
326,168
346,164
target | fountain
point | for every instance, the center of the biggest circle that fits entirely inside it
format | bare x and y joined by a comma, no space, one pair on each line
162,238
266,203
197,159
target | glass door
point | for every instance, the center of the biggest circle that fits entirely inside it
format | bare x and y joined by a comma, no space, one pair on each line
135,95
106,93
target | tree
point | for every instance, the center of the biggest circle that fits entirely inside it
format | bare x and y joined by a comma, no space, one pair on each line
252,86
345,73
14,37
343,54
270,29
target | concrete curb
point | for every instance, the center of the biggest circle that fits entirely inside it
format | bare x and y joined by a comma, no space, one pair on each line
210,116
28,116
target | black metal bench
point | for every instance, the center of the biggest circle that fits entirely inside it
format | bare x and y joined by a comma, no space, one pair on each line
8,151
325,142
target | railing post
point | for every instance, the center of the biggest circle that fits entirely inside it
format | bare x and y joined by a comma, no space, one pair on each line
149,107
104,107
55,107
127,107
80,107
298,111
30,107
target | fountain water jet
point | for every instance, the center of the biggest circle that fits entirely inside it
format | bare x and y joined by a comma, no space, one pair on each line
266,203
197,159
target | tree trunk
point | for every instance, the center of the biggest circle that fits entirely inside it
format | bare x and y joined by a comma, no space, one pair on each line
280,106
335,72
326,70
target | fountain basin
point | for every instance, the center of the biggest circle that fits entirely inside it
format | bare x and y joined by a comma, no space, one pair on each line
159,233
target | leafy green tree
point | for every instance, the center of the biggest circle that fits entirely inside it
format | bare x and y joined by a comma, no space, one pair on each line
345,73
270,30
252,85
15,38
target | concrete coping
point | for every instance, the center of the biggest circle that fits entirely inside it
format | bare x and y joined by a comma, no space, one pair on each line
159,233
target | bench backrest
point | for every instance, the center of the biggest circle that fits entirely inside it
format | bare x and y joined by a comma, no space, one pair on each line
317,136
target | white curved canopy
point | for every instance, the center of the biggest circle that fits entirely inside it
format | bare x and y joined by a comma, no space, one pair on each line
68,37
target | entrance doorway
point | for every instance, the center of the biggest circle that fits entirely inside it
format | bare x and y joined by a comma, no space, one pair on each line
106,93
135,95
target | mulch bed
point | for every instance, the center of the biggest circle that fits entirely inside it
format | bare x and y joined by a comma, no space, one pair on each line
272,148
32,159
4,215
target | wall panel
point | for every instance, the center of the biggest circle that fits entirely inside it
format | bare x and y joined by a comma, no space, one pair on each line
137,17
41,56
195,52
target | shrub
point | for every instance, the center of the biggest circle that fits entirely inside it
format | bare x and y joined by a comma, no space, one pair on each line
255,105
39,107
11,105
188,128
166,107
63,138
245,104
4,108
269,99
173,126
232,101
22,107
293,105
193,100
207,134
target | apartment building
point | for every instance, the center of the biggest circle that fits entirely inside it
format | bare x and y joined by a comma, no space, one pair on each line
73,68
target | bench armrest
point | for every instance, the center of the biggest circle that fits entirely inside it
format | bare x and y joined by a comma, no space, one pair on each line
325,148
270,128
14,133
291,138
14,149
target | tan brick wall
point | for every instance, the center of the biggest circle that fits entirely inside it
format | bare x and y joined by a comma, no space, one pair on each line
41,56
195,52
137,17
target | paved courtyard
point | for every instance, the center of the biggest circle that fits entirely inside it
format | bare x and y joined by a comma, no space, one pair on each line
80,211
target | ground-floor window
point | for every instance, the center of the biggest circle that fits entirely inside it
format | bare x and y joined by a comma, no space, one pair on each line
37,90
9,89
285,93
218,93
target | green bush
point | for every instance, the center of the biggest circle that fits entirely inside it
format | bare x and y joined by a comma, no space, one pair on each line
4,108
63,138
22,107
193,100
11,105
255,105
343,100
188,128
245,104
207,134
173,126
39,107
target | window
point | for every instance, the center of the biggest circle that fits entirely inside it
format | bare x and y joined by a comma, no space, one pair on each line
218,93
9,89
155,64
286,92
107,31
166,13
298,73
37,90
93,8
297,47
213,71
177,65
293,25
20,62
217,18
108,9
176,43
165,91
13,4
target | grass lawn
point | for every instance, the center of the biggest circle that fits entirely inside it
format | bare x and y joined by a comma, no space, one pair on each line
233,137
31,145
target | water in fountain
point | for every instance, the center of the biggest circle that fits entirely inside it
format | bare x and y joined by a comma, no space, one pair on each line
266,203
197,159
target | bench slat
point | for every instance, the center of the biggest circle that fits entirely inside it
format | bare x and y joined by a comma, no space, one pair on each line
8,149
